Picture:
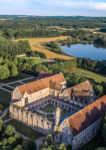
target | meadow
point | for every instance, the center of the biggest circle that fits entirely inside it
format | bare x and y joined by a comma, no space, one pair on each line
36,45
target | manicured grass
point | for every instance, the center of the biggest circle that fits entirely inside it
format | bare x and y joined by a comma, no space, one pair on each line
49,108
7,116
16,84
19,77
89,74
5,98
8,88
36,44
30,80
23,129
64,113
91,145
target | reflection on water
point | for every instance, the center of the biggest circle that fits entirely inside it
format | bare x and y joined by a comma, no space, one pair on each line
85,50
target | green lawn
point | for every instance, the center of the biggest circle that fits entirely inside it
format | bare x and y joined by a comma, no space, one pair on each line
29,80
36,61
89,74
8,88
7,116
16,84
19,77
92,145
64,113
49,108
5,98
23,129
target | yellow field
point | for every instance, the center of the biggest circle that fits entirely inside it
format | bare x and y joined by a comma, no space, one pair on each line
35,44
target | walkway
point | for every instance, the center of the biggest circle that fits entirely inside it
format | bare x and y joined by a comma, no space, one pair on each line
4,113
8,85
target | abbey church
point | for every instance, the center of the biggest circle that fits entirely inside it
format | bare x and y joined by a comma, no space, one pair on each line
75,115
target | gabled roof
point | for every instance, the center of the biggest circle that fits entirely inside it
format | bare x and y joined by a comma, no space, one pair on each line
85,117
44,74
41,84
55,86
83,88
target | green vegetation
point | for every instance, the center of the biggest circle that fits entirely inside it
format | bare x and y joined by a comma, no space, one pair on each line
35,54
49,144
28,132
92,65
55,47
8,49
5,98
49,108
98,78
1,109
11,141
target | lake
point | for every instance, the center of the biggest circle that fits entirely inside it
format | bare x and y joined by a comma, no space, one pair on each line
85,50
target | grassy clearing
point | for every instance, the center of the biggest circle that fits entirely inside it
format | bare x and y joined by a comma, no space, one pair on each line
36,44
25,130
5,98
49,108
89,74
36,60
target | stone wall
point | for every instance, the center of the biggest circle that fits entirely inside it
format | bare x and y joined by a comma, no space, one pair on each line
31,119
86,135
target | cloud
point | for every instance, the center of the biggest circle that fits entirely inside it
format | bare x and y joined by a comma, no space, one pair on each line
98,6
91,4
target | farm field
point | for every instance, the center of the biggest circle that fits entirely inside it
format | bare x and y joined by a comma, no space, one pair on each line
89,74
36,44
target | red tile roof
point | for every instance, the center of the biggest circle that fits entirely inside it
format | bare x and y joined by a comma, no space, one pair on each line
83,87
41,84
44,74
85,117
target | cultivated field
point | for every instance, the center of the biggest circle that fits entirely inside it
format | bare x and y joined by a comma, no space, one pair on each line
36,44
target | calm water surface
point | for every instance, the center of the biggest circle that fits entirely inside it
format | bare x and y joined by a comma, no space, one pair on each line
85,50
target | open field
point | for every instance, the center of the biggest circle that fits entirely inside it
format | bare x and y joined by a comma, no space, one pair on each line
23,129
89,74
36,44
5,98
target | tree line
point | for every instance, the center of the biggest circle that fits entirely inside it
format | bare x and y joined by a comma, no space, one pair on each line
11,141
9,49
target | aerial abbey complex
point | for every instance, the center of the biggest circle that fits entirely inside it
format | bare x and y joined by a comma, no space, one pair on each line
48,106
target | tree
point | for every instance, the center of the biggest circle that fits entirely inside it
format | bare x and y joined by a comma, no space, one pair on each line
14,71
62,147
98,90
9,130
4,72
1,125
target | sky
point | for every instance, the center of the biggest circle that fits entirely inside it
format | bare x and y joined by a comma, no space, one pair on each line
54,7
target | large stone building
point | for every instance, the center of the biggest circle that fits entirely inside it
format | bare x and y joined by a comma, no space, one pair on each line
72,121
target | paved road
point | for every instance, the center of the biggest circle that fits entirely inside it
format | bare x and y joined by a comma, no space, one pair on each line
4,113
